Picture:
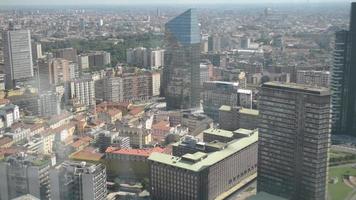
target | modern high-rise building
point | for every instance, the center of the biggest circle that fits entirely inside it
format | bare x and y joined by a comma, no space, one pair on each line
78,181
17,56
294,140
181,76
337,84
343,79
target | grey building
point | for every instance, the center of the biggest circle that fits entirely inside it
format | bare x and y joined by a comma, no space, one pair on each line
25,174
49,104
294,140
78,181
233,118
110,89
312,77
204,176
18,64
181,75
69,54
99,59
218,93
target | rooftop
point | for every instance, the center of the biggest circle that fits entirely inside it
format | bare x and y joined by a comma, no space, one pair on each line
211,159
219,132
298,88
249,111
135,152
87,154
225,108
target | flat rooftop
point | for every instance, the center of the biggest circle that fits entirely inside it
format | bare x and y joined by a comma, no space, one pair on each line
208,159
219,132
249,111
225,108
265,196
315,90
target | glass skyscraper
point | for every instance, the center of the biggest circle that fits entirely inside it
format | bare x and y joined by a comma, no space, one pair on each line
181,75
343,81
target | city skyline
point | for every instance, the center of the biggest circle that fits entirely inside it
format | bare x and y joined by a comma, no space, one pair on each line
163,2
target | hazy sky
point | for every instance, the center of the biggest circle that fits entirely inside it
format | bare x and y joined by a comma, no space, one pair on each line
118,2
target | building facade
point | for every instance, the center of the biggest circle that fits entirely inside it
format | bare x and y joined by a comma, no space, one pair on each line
181,75
312,77
78,181
294,140
24,174
203,176
343,81
18,64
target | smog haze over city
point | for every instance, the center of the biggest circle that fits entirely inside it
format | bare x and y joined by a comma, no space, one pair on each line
177,100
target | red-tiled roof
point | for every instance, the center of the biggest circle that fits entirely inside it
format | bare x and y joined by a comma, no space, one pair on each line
87,154
136,111
162,125
5,140
135,152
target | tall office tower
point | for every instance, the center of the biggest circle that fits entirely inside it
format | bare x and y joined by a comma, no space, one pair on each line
24,174
343,79
81,92
337,83
36,51
17,56
182,61
77,181
294,140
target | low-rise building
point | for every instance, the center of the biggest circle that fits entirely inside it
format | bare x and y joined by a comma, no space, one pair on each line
129,163
204,176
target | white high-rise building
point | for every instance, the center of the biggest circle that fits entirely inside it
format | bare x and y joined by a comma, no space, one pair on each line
82,91
36,50
17,56
157,58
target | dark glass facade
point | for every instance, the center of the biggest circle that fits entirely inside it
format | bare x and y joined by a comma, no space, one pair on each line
294,134
181,75
343,83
